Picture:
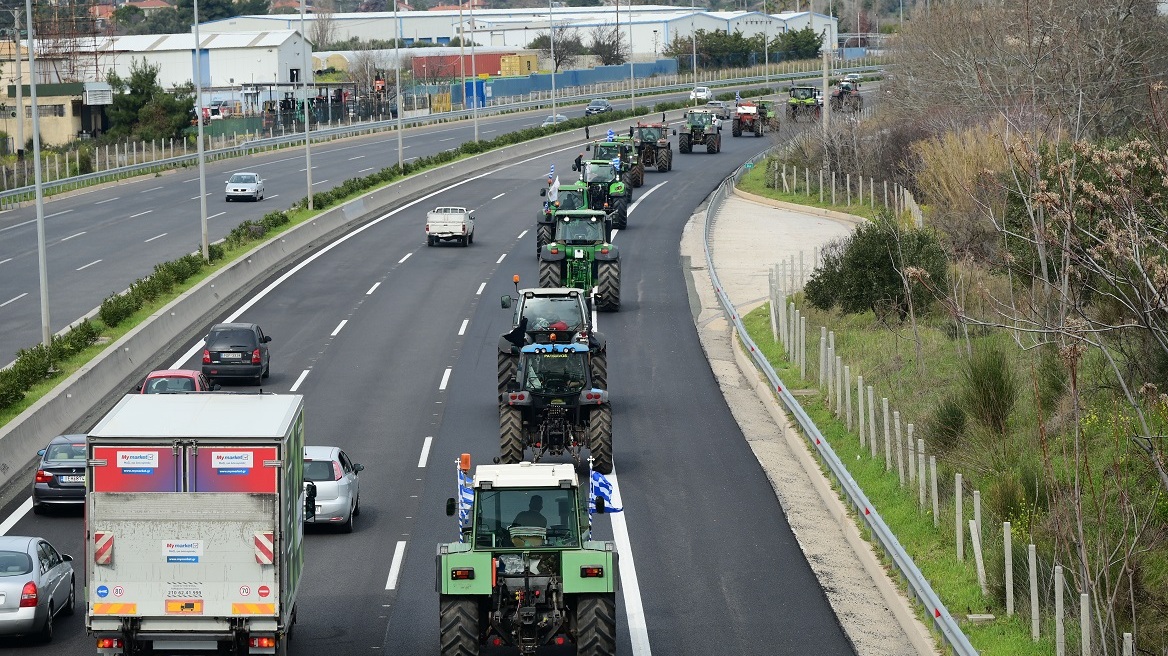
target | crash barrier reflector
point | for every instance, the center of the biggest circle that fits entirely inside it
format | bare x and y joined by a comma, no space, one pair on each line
944,622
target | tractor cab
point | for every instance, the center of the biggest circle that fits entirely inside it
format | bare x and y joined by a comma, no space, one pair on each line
576,228
554,369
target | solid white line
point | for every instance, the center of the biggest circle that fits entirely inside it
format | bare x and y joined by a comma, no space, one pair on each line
13,300
521,234
399,553
58,213
405,258
631,589
299,379
108,200
74,235
462,328
340,325
500,260
88,265
16,516
198,346
646,195
154,237
134,216
357,157
425,452
445,379
499,196
146,191
612,235
215,215
481,288
373,288
7,259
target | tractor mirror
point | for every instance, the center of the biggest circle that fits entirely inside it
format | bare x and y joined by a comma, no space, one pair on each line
450,507
505,301
675,132
588,147
543,192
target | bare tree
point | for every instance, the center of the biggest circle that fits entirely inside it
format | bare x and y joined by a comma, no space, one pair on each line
606,44
569,46
322,33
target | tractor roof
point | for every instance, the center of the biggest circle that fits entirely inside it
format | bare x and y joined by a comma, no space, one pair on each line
555,348
550,292
564,215
651,125
526,475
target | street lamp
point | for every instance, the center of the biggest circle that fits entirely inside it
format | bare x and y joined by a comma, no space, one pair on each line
474,74
397,84
205,239
307,119
632,74
552,43
42,260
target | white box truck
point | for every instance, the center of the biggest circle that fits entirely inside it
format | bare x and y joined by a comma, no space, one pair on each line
194,523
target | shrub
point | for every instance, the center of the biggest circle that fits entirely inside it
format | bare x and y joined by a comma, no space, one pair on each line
947,425
216,252
117,308
11,389
990,388
275,219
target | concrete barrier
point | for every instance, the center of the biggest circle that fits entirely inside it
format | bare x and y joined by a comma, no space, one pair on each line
75,404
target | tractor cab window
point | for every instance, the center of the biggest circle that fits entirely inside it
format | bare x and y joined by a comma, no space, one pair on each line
559,313
578,232
650,134
555,373
607,150
598,172
526,518
802,93
702,119
572,199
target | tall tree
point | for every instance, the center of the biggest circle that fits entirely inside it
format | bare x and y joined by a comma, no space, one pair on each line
606,44
568,47
323,30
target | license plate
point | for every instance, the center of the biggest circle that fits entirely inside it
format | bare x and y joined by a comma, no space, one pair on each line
230,356
318,509
72,479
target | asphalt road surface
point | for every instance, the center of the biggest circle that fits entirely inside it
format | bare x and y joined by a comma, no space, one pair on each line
393,345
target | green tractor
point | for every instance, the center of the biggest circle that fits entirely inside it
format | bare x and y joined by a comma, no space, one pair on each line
620,148
606,191
651,143
701,127
573,196
804,102
525,571
581,256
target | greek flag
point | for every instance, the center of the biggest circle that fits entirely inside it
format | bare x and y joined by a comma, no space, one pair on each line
737,97
553,193
465,501
552,172
611,135
601,487
616,163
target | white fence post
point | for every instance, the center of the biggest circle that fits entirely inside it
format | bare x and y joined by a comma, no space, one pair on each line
912,462
959,522
1032,558
872,420
822,355
977,512
860,406
1060,635
848,393
921,474
1008,558
887,442
933,490
803,347
839,386
1128,645
1085,622
899,447
977,561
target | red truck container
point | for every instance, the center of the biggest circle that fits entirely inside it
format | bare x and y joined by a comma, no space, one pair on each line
447,67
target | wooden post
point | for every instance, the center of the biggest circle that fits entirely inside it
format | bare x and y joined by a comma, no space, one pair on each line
933,489
1060,635
960,528
860,405
1032,557
872,420
1085,623
848,394
899,447
975,540
887,442
1008,558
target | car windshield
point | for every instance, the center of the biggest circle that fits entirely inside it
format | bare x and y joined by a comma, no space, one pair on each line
555,373
543,313
240,178
519,518
650,134
230,338
320,470
571,199
14,563
580,231
596,103
598,172
65,451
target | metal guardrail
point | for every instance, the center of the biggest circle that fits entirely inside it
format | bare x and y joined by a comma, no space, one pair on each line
9,197
945,623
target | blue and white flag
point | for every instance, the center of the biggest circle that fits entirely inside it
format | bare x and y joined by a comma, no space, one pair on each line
553,193
737,97
552,172
601,488
616,163
611,135
465,501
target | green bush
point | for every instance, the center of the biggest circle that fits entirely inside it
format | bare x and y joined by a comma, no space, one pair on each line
947,425
273,220
216,252
11,389
990,388
116,308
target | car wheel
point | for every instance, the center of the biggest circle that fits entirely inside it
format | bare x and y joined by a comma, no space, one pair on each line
347,527
71,603
46,632
38,509
227,198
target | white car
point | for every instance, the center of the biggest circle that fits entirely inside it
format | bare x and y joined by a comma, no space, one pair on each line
245,185
854,78
700,93
552,120
337,485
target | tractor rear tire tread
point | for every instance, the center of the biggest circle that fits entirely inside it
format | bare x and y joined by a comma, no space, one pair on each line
510,435
608,285
599,362
664,160
544,234
458,626
508,364
600,439
550,273
683,144
620,213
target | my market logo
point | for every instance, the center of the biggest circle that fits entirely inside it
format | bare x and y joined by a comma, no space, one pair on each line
232,462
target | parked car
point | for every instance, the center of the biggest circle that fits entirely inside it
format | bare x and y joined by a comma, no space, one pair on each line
245,185
236,350
60,475
700,93
174,381
37,583
552,120
338,486
598,106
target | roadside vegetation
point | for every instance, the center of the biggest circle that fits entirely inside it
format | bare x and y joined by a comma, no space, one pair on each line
1023,327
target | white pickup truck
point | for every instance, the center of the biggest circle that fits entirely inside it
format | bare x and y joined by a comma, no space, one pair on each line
450,224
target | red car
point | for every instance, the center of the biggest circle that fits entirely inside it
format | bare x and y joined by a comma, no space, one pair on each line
174,381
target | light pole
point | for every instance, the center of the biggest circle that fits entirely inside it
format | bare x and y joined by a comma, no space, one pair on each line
42,260
19,90
766,58
552,43
307,117
462,52
632,74
474,73
694,33
202,157
397,83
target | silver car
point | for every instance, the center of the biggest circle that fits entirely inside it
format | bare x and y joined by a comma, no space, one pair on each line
36,584
245,185
338,488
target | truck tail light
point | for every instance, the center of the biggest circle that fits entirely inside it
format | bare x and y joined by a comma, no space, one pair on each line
262,642
427,227
255,356
206,356
109,643
591,572
462,574
464,228
28,595
43,477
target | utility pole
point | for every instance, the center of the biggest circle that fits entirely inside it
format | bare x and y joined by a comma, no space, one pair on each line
632,72
307,114
474,72
42,255
552,44
694,33
826,105
19,90
397,82
202,156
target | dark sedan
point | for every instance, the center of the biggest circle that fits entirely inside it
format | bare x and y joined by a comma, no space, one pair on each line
60,475
598,106
236,350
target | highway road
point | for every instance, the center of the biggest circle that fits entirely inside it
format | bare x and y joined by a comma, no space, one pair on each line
393,345
99,240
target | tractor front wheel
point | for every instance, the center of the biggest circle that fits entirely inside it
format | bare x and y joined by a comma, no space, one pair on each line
458,625
600,438
550,273
664,161
608,285
683,144
508,364
510,435
544,234
620,212
595,625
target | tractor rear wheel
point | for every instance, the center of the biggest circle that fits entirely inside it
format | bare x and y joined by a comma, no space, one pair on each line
638,173
737,129
711,144
544,234
510,435
550,273
508,364
620,212
683,143
595,625
758,127
664,160
458,622
608,285
599,362
600,438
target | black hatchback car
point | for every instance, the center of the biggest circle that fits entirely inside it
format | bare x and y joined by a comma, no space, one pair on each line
60,475
236,350
598,106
